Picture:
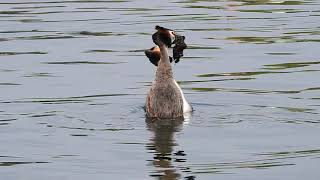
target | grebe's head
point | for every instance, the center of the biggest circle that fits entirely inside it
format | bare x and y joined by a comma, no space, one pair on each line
163,36
153,54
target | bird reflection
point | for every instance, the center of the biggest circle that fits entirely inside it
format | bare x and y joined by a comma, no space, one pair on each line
162,145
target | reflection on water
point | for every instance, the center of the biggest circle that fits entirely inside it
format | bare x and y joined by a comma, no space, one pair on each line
162,146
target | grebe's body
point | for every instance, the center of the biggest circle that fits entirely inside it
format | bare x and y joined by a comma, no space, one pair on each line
165,98
186,106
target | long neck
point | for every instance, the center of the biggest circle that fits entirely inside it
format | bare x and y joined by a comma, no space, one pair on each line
164,70
164,54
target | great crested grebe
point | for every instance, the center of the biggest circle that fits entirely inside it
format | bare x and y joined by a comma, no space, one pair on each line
165,98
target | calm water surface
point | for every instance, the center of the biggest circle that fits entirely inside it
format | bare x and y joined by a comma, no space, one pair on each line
73,81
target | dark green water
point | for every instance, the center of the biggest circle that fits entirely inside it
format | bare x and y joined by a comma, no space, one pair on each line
73,81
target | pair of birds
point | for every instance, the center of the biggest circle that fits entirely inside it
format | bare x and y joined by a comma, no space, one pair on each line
165,98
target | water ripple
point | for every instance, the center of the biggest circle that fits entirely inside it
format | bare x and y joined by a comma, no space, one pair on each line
64,100
14,163
229,166
21,53
65,2
293,154
253,91
88,33
9,84
290,65
81,62
46,37
270,40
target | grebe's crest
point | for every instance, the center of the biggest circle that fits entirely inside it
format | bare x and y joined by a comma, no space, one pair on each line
163,35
